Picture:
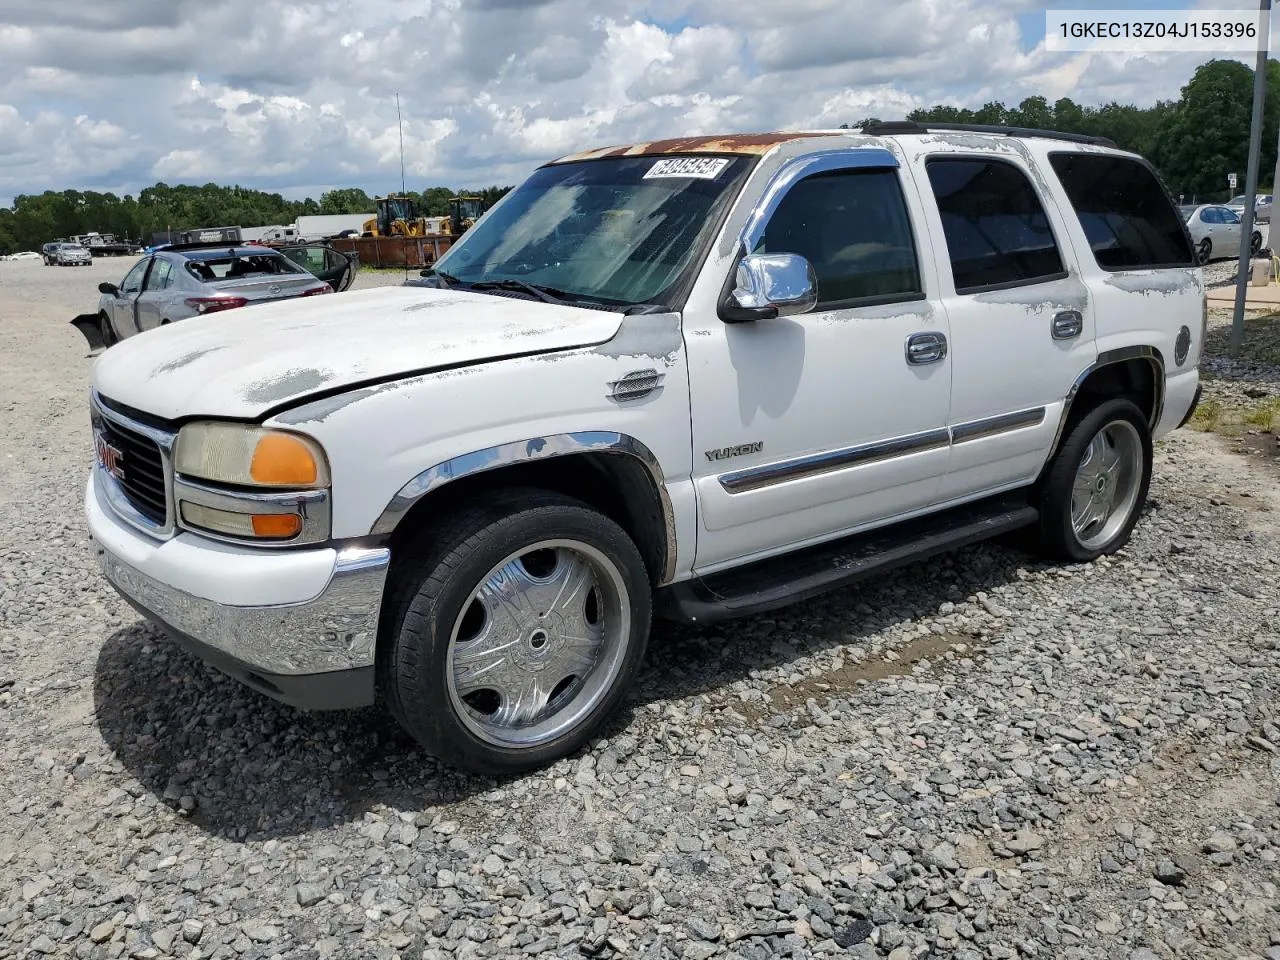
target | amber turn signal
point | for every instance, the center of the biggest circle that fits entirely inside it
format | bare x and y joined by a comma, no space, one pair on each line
276,525
283,460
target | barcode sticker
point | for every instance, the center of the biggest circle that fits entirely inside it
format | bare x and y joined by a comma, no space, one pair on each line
700,168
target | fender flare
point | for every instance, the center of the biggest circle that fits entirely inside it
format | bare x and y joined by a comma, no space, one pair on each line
1107,358
527,451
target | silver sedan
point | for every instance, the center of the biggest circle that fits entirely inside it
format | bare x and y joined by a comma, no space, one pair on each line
189,281
1215,232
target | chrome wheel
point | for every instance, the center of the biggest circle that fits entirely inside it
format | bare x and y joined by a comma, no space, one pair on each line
539,643
1107,483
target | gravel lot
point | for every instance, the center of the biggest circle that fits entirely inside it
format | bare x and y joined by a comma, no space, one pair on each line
980,757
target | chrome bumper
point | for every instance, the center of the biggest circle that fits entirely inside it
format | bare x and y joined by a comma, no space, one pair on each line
337,630
314,653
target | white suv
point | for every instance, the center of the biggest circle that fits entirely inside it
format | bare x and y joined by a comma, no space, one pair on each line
699,378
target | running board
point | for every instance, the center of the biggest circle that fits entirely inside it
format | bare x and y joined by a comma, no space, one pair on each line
769,584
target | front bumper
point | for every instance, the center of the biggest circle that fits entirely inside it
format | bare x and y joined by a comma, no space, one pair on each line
313,647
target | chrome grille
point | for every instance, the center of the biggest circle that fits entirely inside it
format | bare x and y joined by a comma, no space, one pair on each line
141,475
134,470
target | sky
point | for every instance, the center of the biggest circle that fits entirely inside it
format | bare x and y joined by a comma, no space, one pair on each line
299,96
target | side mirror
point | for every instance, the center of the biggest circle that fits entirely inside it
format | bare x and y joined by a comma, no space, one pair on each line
107,287
770,285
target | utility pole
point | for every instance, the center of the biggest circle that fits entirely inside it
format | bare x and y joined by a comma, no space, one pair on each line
1251,179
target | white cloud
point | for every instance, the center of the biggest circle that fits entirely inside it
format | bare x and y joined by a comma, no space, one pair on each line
285,95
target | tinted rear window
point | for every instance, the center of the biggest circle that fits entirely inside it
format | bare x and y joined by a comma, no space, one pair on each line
1127,216
231,267
997,232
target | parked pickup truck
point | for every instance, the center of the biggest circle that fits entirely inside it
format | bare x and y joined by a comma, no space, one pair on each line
695,378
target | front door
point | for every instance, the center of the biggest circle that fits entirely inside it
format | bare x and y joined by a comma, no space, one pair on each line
155,295
810,426
126,296
1021,319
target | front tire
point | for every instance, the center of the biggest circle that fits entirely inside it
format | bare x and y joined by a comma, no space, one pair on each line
1095,486
109,337
1255,243
515,632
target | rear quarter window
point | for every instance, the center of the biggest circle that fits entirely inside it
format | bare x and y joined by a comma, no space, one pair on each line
1127,216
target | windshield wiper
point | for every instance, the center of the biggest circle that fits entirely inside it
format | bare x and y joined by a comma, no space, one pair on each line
545,294
446,279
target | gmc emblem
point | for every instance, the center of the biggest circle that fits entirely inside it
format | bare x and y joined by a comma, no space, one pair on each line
111,459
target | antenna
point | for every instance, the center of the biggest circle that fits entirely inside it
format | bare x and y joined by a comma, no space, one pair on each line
400,124
403,191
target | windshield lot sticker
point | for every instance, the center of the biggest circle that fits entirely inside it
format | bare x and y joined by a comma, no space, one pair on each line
700,168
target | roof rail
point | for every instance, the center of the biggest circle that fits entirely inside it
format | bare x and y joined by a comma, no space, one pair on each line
890,127
207,245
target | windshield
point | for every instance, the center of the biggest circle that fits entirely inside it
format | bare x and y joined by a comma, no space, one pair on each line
618,231
399,208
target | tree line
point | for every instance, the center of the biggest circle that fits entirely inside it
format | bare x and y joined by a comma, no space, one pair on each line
35,219
1194,141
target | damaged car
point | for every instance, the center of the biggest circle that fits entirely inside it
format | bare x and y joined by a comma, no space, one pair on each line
193,280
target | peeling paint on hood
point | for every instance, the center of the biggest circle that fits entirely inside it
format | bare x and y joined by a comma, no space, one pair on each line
243,363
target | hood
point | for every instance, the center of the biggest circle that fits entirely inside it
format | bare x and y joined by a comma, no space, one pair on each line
243,363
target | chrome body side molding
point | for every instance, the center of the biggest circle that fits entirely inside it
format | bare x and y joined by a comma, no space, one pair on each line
526,451
990,426
754,478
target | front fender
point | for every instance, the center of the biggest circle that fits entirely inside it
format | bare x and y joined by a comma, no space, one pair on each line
390,445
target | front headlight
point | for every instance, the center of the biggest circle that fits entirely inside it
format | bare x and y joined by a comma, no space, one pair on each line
248,456
246,483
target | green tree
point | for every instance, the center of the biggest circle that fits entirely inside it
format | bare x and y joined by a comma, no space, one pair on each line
1206,135
345,200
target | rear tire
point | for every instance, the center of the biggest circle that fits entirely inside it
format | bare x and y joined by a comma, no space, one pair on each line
1095,485
1204,252
515,631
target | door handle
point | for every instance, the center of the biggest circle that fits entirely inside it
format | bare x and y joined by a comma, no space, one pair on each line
926,348
1067,325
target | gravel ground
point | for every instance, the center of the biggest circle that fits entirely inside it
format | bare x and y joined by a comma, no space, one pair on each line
979,757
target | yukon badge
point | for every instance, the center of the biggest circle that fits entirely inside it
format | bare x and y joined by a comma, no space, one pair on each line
741,450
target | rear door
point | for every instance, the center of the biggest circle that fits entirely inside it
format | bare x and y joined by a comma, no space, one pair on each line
1020,315
1227,237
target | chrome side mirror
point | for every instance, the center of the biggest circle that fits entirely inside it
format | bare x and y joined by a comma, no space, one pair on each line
770,285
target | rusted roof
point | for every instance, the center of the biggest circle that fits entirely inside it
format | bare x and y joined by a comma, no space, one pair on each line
745,143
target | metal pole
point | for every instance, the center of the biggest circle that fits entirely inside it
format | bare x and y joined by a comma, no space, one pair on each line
1251,179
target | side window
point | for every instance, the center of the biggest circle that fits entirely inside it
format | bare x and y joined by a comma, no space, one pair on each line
852,225
133,279
1210,215
159,277
996,229
1126,214
1227,215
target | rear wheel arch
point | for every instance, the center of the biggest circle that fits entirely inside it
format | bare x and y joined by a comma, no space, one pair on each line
1135,373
